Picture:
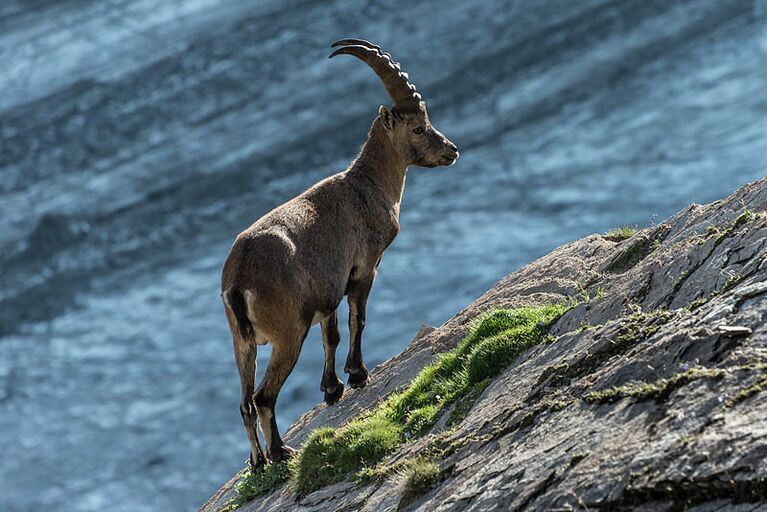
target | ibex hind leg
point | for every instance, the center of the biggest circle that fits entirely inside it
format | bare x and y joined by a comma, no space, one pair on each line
245,357
285,352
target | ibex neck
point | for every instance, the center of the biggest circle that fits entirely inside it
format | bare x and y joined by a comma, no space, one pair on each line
380,161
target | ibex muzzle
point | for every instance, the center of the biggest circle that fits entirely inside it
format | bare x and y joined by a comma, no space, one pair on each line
294,265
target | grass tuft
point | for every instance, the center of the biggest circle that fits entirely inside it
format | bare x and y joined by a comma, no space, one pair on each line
330,455
744,218
636,250
495,353
418,476
266,480
620,233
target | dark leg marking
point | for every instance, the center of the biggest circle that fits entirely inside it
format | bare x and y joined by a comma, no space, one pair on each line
284,356
331,384
245,356
358,297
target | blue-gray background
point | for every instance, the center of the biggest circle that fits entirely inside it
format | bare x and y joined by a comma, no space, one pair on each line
139,137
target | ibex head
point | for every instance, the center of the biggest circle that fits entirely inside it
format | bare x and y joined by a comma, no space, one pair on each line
407,123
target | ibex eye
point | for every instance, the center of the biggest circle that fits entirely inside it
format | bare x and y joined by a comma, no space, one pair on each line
418,130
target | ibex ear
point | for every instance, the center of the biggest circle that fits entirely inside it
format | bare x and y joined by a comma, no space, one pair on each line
386,118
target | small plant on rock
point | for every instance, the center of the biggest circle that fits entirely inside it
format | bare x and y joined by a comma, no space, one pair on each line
418,476
621,233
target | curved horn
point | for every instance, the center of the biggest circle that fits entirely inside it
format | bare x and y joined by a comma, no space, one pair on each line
352,41
367,44
402,92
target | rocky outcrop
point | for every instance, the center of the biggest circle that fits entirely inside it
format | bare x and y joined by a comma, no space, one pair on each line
649,397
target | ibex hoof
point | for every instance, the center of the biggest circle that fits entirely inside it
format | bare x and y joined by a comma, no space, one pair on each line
334,396
359,378
256,466
282,453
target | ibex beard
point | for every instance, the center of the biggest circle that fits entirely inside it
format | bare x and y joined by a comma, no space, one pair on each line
293,266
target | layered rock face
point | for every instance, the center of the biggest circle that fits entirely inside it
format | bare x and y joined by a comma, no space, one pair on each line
649,397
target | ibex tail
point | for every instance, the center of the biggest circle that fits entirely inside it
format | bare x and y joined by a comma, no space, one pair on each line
235,301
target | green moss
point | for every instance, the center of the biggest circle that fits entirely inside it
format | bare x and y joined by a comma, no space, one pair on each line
464,404
745,217
660,389
723,233
680,281
495,353
633,329
531,413
494,341
556,405
732,282
640,326
584,296
253,484
577,457
379,472
440,446
631,255
745,393
444,443
331,455
640,246
692,306
728,285
418,476
555,374
620,233
586,327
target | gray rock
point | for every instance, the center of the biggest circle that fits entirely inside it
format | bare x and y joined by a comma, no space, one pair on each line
679,306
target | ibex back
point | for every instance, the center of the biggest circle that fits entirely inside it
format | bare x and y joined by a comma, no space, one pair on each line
293,266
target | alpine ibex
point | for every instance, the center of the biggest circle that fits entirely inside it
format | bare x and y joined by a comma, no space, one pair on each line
292,267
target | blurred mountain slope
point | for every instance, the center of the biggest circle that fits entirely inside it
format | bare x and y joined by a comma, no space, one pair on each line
137,139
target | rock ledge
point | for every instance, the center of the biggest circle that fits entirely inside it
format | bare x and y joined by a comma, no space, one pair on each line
649,399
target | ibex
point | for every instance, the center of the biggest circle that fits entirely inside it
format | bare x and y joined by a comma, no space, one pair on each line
293,266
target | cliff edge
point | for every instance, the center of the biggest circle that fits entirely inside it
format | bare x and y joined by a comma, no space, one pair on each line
646,392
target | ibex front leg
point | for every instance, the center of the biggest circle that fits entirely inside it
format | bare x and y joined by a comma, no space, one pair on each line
358,298
331,384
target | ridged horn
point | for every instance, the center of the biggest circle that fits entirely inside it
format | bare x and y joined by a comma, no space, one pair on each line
402,92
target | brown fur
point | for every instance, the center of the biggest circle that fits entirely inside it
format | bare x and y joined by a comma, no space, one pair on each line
294,265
